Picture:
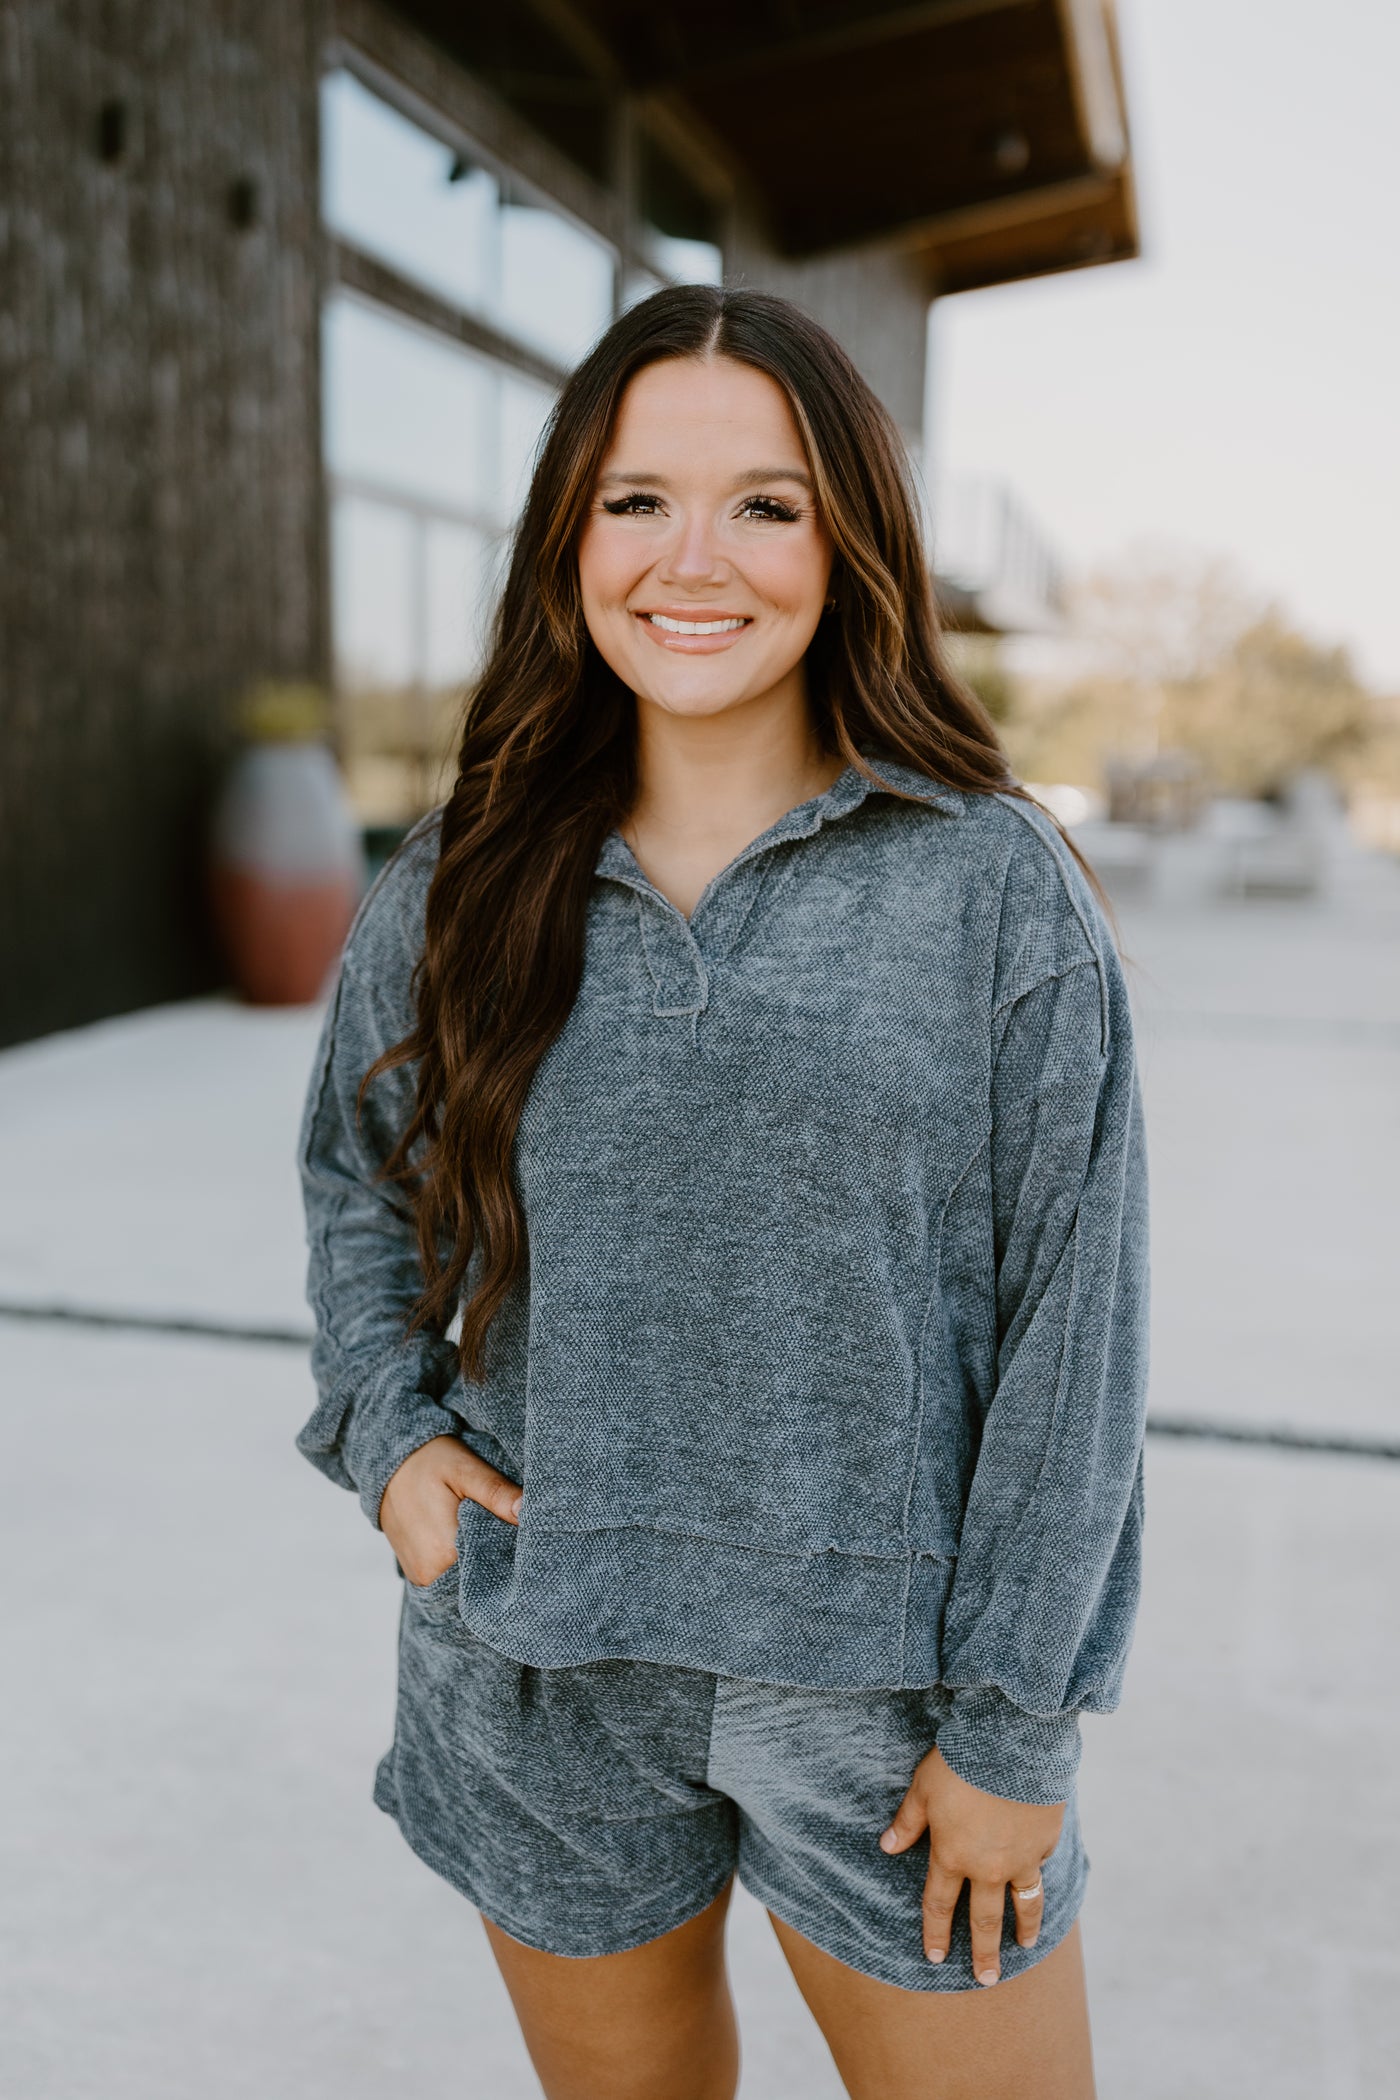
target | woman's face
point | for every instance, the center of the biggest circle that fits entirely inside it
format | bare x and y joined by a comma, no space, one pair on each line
703,563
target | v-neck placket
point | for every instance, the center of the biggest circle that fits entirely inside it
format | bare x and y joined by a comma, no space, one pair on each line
681,952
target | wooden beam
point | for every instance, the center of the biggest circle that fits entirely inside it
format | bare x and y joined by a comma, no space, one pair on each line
674,126
1095,230
1093,76
879,26
988,215
565,90
996,213
572,27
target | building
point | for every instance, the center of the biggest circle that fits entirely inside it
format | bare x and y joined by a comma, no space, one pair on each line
287,287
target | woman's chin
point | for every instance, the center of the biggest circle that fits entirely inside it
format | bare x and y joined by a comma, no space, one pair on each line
695,699
698,688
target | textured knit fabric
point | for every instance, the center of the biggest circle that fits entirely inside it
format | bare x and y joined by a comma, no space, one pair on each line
829,1367
590,1809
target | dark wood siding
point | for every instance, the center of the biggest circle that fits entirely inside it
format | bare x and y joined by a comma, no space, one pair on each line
161,538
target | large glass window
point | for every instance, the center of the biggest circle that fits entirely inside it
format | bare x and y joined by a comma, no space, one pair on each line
680,222
524,409
398,193
428,453
407,410
685,261
444,220
555,288
429,444
372,577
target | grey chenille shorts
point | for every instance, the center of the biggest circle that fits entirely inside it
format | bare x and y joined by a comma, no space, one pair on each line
589,1809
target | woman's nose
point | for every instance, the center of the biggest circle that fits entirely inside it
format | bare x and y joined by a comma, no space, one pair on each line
694,555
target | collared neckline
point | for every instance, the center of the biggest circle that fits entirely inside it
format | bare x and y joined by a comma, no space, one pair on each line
617,862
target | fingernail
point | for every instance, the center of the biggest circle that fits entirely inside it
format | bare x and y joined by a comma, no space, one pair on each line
515,1506
934,1953
987,1977
888,1841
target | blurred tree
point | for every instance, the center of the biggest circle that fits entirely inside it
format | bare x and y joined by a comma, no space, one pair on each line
1071,733
1177,653
979,659
1274,705
1162,614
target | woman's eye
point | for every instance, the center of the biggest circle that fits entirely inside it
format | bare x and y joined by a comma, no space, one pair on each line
642,503
638,505
769,507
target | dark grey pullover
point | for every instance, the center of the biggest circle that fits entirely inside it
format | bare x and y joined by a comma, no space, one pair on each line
830,1364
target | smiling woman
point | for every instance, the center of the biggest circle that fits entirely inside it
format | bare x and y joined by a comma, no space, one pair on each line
703,579
745,1063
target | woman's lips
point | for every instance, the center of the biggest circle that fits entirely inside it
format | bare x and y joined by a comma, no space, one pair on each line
693,633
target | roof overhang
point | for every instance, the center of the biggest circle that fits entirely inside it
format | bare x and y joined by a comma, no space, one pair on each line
990,136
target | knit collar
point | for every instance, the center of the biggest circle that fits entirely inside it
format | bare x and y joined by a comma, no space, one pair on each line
846,793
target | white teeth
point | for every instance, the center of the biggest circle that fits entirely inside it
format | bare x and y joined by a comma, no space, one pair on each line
694,626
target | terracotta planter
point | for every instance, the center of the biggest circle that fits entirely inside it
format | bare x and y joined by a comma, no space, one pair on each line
287,868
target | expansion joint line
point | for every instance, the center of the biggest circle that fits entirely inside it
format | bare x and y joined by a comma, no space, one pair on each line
1188,1428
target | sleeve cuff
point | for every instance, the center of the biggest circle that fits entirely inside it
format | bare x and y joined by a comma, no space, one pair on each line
1003,1750
378,1454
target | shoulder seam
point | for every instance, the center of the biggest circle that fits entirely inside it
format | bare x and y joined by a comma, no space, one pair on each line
1055,848
1037,984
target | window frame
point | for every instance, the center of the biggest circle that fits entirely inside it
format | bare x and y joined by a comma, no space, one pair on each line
442,99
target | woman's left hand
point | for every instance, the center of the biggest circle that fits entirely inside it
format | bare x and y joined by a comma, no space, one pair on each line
981,1839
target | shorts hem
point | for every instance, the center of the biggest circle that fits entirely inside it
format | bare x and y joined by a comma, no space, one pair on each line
934,1976
517,1929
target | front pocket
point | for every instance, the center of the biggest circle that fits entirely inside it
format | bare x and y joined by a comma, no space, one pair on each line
445,1585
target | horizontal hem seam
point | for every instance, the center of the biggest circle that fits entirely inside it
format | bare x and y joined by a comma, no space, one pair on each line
554,1600
545,1528
968,1687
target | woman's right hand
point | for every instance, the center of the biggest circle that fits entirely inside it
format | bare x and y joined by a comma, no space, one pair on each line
419,1508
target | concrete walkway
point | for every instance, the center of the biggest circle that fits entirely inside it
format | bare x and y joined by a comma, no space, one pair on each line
196,1895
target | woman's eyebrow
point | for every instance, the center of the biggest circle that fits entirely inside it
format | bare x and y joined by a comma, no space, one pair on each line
797,474
740,481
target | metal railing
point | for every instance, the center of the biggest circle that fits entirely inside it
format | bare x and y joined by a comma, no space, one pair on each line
992,553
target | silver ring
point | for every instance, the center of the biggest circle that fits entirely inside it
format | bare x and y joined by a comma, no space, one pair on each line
1026,1894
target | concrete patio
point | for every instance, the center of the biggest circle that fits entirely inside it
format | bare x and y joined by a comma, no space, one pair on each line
197,1896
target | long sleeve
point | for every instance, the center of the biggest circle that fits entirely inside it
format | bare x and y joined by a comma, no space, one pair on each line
1040,1615
380,1392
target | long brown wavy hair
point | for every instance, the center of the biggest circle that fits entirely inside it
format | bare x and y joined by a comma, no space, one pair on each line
547,764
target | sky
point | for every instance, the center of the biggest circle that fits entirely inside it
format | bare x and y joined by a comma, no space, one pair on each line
1237,390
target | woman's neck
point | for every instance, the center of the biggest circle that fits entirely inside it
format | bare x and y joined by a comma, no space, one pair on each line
709,785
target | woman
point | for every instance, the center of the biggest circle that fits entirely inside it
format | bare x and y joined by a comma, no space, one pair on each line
743,1060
